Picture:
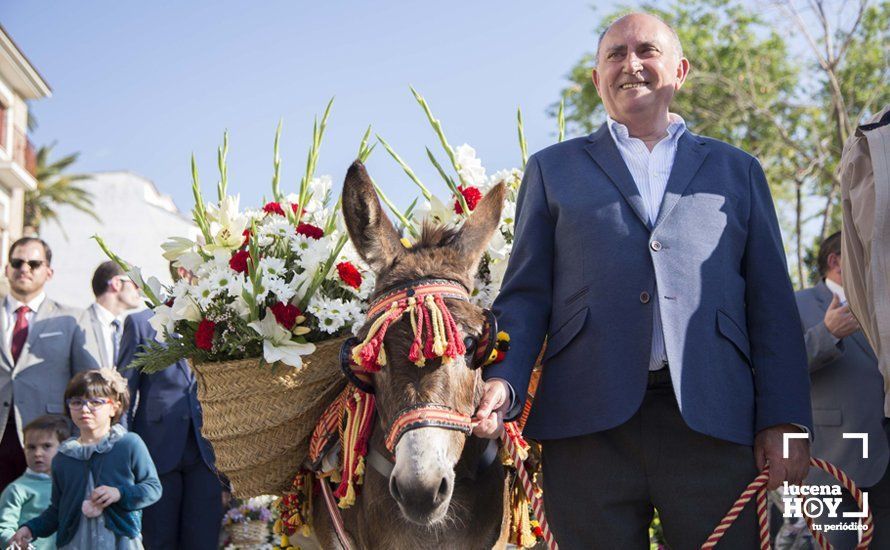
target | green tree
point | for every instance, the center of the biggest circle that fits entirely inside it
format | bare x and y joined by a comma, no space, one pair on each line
791,104
55,188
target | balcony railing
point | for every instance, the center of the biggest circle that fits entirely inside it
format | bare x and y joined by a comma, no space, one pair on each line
24,152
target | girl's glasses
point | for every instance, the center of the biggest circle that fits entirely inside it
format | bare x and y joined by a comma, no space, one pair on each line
92,403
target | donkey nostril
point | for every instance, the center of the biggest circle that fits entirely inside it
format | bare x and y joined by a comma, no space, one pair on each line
443,490
394,489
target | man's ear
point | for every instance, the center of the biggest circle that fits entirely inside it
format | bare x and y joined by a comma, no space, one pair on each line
373,235
682,72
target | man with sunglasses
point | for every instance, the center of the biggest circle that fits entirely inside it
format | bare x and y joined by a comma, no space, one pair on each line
41,347
103,321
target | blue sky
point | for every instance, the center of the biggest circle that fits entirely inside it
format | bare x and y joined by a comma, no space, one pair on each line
140,88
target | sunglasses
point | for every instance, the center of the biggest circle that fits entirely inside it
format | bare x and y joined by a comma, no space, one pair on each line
17,263
92,404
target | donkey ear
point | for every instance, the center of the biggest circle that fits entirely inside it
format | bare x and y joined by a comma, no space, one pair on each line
480,226
371,232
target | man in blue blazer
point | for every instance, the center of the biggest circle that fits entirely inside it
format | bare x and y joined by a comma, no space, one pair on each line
651,259
165,412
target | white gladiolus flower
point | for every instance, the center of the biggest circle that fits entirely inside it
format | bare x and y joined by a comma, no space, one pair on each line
155,286
277,343
471,169
190,261
176,247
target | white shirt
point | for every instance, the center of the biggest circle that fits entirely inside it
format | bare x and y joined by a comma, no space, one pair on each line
10,305
837,290
106,320
650,171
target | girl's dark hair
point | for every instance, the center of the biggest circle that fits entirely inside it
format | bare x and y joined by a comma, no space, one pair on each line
99,383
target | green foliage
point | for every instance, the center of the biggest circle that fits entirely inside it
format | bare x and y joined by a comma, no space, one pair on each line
55,188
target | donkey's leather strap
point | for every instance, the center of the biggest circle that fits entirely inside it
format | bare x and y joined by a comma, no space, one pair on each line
427,415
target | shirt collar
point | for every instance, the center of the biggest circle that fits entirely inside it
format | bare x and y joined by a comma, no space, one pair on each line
836,289
105,316
12,304
37,475
619,132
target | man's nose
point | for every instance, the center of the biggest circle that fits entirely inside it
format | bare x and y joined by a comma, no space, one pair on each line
632,63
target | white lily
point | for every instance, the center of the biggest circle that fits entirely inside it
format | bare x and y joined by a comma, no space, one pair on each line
227,224
277,343
176,247
185,308
162,321
435,211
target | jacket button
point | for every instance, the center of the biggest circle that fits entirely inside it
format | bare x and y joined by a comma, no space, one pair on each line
644,297
655,245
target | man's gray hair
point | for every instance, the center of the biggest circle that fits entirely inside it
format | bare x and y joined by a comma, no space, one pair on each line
675,38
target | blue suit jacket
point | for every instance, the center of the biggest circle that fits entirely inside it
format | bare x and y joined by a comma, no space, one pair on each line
167,406
583,273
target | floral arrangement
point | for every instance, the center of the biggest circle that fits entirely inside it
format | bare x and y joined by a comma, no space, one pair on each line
264,282
467,189
254,509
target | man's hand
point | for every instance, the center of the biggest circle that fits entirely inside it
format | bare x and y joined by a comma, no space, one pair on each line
490,414
105,496
839,320
768,449
22,538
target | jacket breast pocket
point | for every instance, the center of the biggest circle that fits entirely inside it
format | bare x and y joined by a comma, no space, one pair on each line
562,336
732,332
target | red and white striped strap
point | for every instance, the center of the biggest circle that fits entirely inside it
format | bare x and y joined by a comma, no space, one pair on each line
511,437
426,415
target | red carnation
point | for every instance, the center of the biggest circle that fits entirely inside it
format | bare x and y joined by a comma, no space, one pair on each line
311,231
204,335
472,196
286,314
273,208
238,261
296,209
349,274
246,234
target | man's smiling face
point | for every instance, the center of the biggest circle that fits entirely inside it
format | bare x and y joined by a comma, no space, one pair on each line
639,68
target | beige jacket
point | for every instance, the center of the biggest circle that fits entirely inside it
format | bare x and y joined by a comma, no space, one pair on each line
865,254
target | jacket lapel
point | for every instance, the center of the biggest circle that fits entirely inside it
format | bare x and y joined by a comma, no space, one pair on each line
45,310
100,337
5,356
605,153
691,152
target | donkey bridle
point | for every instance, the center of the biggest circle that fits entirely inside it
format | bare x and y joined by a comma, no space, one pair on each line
423,415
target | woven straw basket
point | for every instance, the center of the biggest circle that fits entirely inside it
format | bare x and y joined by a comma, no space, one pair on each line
248,534
259,418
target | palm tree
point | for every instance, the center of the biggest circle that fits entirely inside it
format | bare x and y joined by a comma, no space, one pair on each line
54,189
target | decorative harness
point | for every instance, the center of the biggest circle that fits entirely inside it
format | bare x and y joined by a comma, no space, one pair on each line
349,420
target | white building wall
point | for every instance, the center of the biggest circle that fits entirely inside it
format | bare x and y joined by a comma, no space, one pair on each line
135,220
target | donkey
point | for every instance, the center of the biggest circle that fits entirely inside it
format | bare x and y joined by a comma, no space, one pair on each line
440,493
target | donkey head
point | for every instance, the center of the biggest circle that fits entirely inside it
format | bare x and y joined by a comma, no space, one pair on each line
423,478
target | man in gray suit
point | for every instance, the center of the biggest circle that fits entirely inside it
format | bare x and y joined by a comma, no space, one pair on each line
42,346
103,321
847,394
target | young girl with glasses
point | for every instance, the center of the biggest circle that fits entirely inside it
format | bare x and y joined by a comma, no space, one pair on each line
102,478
